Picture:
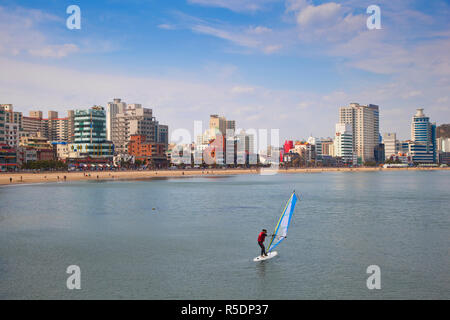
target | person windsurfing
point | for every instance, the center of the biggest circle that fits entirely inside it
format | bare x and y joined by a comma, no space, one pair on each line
262,236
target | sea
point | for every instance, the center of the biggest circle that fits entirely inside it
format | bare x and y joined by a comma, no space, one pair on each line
196,237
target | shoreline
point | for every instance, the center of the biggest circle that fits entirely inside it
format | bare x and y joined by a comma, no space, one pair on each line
23,178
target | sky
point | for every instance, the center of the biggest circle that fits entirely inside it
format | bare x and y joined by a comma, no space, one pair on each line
268,64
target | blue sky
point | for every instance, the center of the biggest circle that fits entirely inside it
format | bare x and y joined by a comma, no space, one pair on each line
287,64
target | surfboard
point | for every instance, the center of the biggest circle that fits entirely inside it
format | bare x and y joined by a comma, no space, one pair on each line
270,255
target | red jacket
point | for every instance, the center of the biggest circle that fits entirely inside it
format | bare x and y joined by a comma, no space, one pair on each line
262,237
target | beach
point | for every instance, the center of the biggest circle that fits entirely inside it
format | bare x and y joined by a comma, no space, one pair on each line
49,177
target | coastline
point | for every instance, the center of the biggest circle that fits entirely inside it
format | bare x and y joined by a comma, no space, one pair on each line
52,177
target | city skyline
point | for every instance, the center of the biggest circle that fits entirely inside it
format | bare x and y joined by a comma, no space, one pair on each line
247,60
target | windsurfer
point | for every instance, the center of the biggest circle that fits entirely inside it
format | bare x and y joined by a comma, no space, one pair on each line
262,236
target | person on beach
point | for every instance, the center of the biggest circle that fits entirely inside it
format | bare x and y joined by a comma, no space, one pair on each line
262,236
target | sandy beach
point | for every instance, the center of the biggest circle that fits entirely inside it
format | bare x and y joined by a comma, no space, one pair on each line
49,177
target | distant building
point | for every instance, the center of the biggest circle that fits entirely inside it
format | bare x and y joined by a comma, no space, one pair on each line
390,144
443,144
217,126
2,126
343,143
33,123
8,157
53,128
36,147
444,158
135,120
379,153
327,147
365,128
149,152
12,134
423,135
90,135
12,116
112,109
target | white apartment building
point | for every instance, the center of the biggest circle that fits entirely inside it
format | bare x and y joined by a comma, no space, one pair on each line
112,109
12,137
365,128
343,142
390,144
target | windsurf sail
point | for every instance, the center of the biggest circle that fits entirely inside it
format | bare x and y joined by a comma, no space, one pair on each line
281,229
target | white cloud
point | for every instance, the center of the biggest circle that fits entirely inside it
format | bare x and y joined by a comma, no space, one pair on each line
19,34
235,5
255,38
54,51
240,90
166,26
324,14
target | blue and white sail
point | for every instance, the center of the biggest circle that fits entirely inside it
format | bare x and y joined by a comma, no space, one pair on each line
282,227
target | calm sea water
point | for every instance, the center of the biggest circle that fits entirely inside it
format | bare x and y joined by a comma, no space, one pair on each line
200,239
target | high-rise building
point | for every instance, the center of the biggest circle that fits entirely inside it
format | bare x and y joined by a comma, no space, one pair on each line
231,126
2,125
390,144
36,114
423,135
12,136
136,120
70,125
33,123
343,142
217,125
443,144
112,109
90,134
162,134
56,129
327,147
365,128
12,116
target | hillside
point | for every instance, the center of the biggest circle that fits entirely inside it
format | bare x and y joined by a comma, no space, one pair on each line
443,131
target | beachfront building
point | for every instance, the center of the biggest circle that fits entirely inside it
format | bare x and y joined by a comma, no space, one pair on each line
217,126
152,153
33,123
8,158
2,125
112,109
35,147
443,144
245,148
12,135
343,143
390,144
365,128
422,147
327,147
90,135
136,120
53,128
12,116
57,129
